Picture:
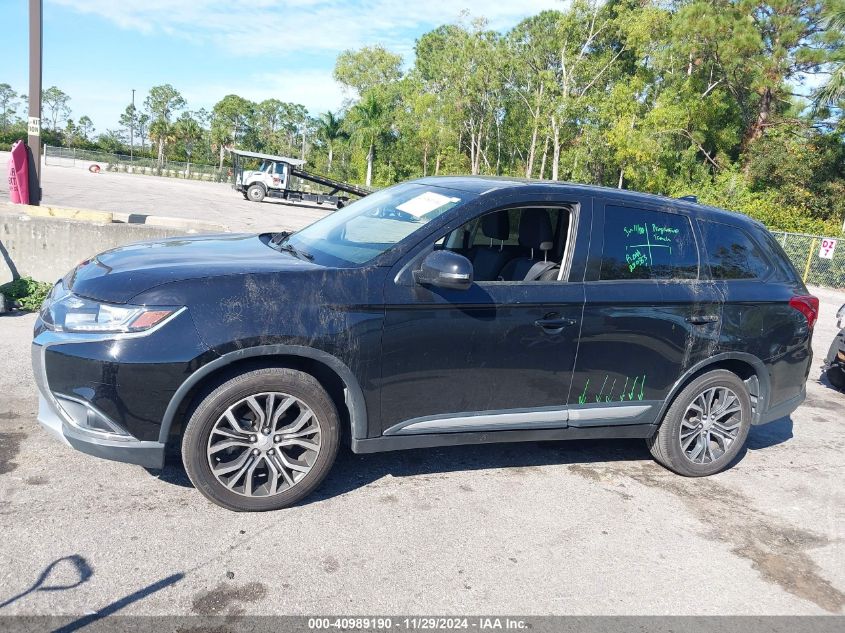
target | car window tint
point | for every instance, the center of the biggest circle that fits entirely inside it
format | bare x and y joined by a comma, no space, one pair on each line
643,244
731,253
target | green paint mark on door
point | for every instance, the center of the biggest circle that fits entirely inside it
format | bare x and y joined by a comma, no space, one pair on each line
633,388
583,397
601,392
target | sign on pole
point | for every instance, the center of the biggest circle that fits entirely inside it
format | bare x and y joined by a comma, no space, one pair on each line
827,248
34,128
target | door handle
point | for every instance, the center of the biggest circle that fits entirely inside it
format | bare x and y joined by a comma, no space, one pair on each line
554,325
702,319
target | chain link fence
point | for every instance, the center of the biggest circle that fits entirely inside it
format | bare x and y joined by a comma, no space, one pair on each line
806,253
73,157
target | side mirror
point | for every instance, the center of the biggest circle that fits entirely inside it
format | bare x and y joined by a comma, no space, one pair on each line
445,269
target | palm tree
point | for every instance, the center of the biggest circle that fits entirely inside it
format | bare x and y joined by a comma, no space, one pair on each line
163,133
330,128
834,90
367,123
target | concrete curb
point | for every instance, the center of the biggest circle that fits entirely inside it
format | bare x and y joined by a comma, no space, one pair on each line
45,247
107,217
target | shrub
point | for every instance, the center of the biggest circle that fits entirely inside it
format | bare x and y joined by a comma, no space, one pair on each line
28,293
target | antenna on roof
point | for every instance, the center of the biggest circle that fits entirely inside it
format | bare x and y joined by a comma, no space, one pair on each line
689,198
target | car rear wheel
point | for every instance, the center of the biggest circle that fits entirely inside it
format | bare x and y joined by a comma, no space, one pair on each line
255,193
262,440
705,427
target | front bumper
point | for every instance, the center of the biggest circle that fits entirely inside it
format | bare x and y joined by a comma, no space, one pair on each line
66,425
106,395
131,451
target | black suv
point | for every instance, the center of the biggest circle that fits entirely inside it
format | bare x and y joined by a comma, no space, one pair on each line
436,312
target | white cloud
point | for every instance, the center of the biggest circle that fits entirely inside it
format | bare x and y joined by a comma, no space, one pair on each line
305,35
250,27
316,90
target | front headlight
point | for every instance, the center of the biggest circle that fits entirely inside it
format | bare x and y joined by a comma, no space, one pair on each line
840,316
69,313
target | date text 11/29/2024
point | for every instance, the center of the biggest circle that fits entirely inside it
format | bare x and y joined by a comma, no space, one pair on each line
418,623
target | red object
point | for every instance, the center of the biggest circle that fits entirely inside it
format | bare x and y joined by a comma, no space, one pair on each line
19,174
808,305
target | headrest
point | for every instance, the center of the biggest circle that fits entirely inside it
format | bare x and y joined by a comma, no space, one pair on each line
496,225
535,229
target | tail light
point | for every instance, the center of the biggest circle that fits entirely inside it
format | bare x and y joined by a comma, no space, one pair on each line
808,305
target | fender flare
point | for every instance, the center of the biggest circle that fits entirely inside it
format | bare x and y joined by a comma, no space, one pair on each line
759,369
354,396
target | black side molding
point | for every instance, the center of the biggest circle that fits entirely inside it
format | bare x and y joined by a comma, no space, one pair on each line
403,442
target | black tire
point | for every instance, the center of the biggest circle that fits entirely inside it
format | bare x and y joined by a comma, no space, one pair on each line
665,445
836,376
195,440
255,193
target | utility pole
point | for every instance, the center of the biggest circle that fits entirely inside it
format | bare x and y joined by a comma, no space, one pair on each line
34,126
132,128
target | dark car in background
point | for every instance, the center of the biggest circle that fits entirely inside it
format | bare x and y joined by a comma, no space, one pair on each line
834,363
436,312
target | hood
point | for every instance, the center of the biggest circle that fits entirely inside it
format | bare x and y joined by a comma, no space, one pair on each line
117,275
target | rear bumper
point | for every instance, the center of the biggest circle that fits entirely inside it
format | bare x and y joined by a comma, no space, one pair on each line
783,409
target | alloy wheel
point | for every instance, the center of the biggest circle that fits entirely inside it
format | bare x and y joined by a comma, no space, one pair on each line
710,424
264,444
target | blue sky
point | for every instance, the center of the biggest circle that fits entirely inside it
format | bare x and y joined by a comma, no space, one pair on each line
97,51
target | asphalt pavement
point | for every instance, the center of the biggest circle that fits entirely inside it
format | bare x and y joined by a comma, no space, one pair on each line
537,528
76,187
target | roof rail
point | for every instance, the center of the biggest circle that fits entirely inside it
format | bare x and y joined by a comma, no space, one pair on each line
689,198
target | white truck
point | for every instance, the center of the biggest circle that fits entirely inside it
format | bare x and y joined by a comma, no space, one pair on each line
274,178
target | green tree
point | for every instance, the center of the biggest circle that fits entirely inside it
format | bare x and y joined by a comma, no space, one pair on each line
330,129
367,68
56,102
367,121
111,141
833,91
86,127
8,105
162,103
142,123
791,44
128,120
230,121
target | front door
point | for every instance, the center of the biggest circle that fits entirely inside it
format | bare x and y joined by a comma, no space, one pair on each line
498,356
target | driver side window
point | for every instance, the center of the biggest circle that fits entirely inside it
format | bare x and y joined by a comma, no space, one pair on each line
522,244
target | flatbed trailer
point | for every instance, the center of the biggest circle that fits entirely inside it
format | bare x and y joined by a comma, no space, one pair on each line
274,179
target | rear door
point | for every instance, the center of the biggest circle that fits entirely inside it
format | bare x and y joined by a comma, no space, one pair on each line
649,315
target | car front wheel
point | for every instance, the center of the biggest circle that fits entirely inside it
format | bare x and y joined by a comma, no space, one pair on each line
705,427
262,440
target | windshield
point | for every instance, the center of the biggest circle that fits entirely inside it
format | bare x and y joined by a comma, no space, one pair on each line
372,225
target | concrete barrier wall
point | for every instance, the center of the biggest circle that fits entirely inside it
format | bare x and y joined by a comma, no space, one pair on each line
45,248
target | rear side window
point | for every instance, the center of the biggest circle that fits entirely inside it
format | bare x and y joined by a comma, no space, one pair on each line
644,244
731,253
